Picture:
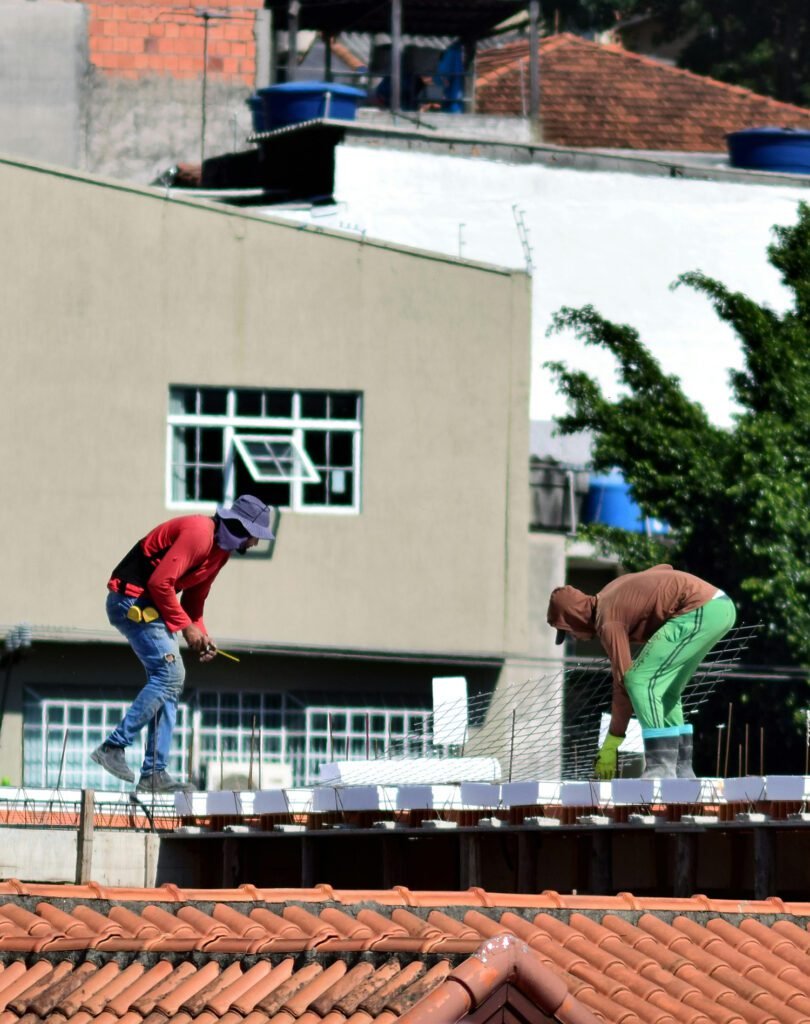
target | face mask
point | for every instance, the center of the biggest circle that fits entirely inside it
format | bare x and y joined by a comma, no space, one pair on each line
229,541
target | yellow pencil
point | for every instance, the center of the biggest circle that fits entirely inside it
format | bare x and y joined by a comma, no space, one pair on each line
226,655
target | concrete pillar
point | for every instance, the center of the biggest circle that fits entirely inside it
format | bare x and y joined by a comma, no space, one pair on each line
264,37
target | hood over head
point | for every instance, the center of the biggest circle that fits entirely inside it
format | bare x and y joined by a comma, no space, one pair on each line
571,611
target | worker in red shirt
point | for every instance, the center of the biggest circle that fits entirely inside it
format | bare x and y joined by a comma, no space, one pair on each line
679,618
181,555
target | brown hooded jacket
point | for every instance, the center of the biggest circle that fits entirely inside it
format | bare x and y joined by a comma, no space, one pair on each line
629,609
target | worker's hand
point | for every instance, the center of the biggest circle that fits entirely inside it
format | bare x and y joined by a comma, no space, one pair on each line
196,639
209,652
605,765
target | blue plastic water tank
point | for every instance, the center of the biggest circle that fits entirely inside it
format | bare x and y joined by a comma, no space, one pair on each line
608,502
770,149
256,105
293,102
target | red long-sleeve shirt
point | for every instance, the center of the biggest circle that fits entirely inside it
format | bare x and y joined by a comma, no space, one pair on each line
179,555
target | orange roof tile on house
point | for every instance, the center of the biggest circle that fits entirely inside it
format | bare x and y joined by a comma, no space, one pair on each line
606,97
87,955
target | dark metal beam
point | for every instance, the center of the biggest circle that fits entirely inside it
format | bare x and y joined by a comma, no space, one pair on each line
396,55
293,11
534,61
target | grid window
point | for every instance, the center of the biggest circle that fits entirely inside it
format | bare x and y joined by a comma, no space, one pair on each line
299,450
251,730
59,736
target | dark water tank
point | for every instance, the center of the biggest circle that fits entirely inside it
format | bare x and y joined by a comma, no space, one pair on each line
786,150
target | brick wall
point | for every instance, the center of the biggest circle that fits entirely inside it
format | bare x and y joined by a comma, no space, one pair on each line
133,39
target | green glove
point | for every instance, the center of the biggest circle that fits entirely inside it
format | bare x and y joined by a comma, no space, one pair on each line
604,767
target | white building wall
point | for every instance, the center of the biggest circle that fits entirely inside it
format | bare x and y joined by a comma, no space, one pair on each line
614,240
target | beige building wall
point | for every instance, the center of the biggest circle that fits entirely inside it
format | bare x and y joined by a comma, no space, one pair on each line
112,293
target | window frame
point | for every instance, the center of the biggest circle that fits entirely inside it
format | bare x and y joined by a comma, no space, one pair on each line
295,426
311,475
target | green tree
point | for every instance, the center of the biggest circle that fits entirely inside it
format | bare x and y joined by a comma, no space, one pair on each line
737,499
762,45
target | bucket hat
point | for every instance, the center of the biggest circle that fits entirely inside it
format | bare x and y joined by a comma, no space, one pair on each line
252,513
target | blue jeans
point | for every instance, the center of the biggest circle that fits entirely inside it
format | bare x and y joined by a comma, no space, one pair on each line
158,651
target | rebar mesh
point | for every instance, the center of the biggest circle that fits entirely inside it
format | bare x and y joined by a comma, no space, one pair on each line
547,727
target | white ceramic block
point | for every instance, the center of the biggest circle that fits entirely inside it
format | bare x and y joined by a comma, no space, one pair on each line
530,793
246,801
480,794
324,799
420,798
748,788
270,801
636,791
299,800
787,787
222,801
691,791
365,798
191,804
591,793
405,771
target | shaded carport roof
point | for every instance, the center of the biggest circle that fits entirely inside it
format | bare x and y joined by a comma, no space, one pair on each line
461,18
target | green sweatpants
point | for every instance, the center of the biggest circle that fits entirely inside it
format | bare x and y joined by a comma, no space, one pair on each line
668,661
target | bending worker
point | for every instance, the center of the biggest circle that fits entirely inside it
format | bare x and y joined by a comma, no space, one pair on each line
184,554
681,617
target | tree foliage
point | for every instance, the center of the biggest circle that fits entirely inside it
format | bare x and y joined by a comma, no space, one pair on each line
737,499
763,45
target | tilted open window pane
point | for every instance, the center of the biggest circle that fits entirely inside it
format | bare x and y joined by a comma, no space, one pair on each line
275,458
299,450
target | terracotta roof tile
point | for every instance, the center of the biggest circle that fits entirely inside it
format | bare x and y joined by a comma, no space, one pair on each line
262,987
604,96
221,1002
362,957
